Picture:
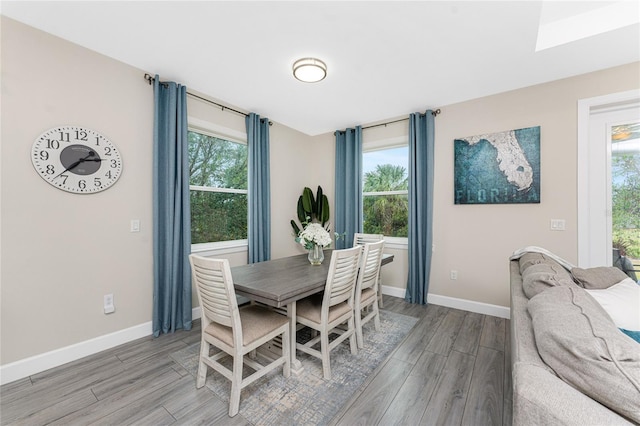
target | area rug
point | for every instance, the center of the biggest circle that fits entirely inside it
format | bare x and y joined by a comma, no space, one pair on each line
309,398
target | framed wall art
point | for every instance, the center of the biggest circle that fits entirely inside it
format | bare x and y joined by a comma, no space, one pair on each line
498,168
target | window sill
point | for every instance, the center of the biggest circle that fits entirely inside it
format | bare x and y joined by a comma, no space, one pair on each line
221,247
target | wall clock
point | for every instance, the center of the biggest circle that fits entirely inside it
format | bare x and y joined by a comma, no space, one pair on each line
76,159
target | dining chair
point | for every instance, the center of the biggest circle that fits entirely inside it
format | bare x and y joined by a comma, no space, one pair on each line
236,332
366,293
361,239
324,313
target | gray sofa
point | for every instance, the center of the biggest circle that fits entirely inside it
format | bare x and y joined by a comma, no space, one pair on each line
540,395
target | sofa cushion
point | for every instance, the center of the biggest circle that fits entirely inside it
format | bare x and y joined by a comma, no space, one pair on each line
622,302
597,278
532,258
541,276
578,340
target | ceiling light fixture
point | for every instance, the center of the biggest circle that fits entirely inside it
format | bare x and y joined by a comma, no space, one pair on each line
309,70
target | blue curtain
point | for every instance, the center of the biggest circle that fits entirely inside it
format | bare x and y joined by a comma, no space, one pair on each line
259,232
421,151
348,202
171,210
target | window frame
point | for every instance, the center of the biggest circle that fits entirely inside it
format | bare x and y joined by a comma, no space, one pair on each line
401,243
211,129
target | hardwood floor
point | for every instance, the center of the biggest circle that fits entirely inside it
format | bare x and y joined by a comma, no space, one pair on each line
453,368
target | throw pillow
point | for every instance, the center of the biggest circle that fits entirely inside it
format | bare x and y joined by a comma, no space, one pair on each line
529,259
598,278
541,276
622,303
577,339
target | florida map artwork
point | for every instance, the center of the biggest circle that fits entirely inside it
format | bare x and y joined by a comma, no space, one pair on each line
498,168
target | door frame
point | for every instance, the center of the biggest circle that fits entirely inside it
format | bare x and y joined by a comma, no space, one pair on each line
588,207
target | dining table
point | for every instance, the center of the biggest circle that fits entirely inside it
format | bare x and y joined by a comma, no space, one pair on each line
280,283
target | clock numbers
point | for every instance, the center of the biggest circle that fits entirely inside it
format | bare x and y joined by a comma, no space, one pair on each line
64,136
50,169
53,144
44,155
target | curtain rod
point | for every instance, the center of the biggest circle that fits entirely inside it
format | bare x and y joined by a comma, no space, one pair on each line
434,113
150,79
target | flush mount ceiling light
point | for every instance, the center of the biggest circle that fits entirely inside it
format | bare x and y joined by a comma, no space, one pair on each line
309,70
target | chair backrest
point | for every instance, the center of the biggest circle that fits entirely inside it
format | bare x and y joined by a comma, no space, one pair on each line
370,266
342,277
360,239
214,285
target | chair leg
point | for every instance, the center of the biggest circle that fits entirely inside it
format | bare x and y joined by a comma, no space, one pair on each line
286,353
324,350
202,367
381,304
359,337
376,318
236,381
352,337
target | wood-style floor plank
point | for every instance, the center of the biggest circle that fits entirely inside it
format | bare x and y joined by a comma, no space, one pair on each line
493,333
468,339
485,399
447,332
137,383
446,406
372,403
411,401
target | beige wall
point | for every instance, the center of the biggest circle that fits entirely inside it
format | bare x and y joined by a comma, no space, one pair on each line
476,240
62,252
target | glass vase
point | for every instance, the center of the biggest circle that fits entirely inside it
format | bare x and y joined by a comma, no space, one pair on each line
316,255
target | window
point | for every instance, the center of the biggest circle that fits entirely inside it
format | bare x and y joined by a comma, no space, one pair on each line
385,191
218,185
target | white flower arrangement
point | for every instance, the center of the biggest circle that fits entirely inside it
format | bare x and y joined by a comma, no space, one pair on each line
314,235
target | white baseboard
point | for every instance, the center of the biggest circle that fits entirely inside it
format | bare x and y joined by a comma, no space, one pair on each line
453,302
38,363
26,367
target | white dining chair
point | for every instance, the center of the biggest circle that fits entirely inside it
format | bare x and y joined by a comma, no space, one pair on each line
236,332
324,313
366,294
362,239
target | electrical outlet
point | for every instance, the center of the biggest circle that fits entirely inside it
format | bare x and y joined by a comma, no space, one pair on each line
109,307
453,275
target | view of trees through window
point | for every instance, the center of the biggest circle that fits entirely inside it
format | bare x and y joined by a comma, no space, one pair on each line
218,187
625,177
385,192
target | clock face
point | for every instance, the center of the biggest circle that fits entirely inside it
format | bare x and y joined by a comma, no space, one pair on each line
76,159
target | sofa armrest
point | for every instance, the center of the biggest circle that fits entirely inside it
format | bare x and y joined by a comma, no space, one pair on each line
540,398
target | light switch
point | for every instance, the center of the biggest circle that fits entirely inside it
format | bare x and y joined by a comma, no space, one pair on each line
557,224
135,225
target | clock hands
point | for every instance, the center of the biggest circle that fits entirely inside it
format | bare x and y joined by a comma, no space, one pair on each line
80,161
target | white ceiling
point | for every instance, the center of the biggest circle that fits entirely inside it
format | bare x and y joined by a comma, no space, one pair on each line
384,59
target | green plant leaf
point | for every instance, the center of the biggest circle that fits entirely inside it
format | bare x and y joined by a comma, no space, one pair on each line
302,215
308,201
319,203
325,210
296,228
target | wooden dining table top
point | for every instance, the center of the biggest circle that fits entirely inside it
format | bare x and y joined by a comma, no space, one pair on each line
281,281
